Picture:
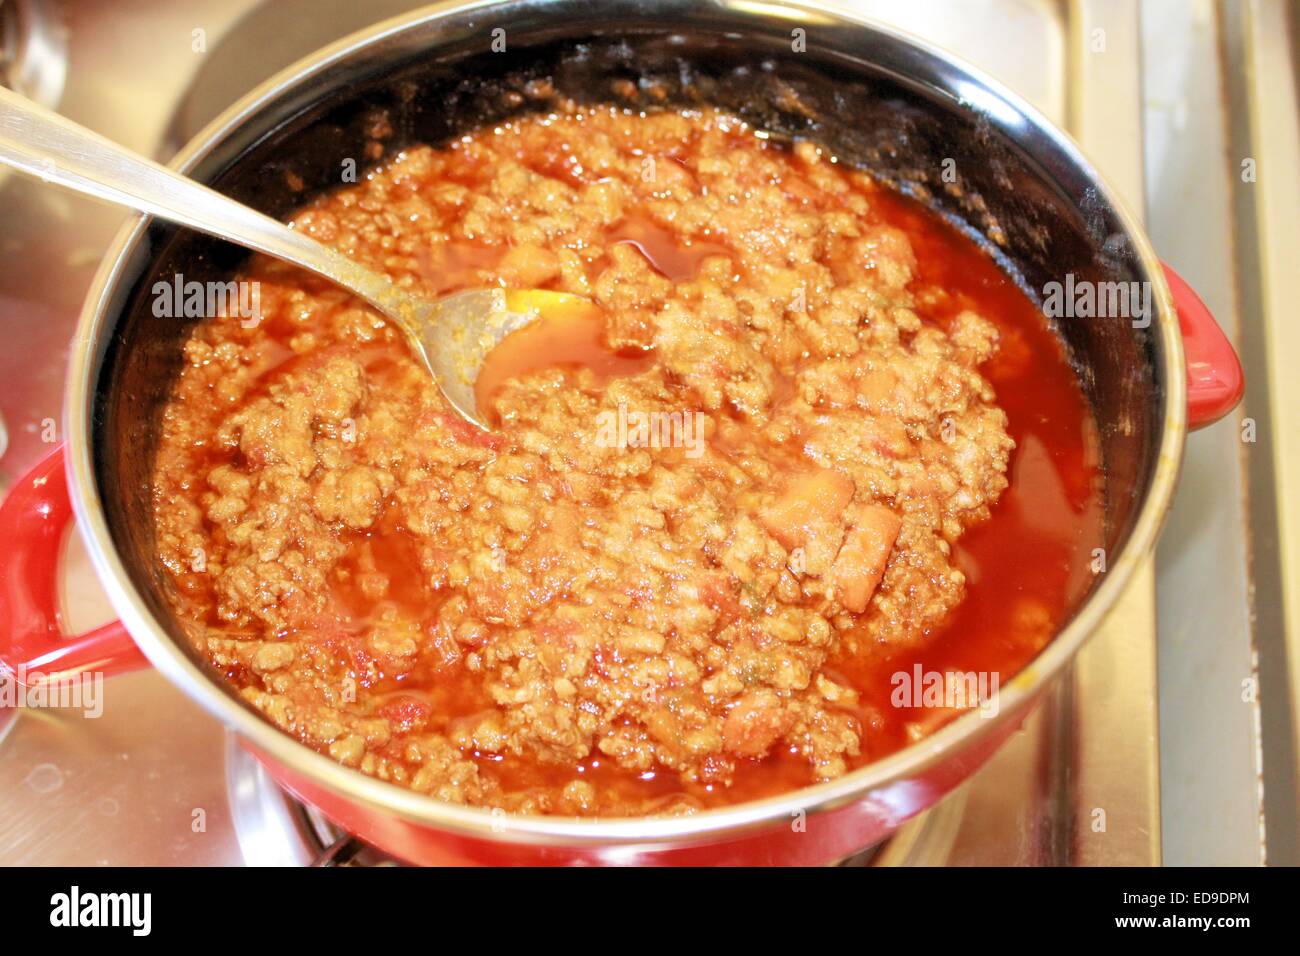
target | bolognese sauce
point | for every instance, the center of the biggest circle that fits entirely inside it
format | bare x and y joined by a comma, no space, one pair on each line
874,460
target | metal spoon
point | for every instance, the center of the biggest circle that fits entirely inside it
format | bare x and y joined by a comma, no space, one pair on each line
451,335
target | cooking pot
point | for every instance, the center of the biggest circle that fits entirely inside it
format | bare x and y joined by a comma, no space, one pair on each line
876,97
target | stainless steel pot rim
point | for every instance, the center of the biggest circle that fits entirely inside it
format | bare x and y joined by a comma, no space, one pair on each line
95,324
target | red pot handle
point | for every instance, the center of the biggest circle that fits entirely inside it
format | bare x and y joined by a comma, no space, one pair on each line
33,646
1214,380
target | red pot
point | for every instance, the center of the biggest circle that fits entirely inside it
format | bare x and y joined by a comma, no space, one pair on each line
877,97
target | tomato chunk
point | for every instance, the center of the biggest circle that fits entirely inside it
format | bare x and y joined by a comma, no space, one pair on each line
861,562
810,503
809,514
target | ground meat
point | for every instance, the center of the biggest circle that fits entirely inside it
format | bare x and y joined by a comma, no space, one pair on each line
537,619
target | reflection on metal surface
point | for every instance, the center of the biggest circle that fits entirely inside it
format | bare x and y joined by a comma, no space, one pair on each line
273,829
33,49
7,719
261,43
33,62
270,828
1112,776
1263,84
133,787
1209,757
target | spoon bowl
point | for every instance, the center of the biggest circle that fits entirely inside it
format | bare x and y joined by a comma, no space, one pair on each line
454,335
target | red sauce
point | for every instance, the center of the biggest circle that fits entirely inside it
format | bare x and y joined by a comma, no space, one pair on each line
1026,568
1029,561
670,258
1032,559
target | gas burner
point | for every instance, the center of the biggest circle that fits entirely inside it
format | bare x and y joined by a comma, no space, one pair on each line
274,829
925,840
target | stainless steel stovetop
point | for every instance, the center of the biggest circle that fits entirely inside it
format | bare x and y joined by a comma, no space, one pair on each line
156,781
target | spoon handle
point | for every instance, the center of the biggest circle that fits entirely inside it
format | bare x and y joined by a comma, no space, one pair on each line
54,149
